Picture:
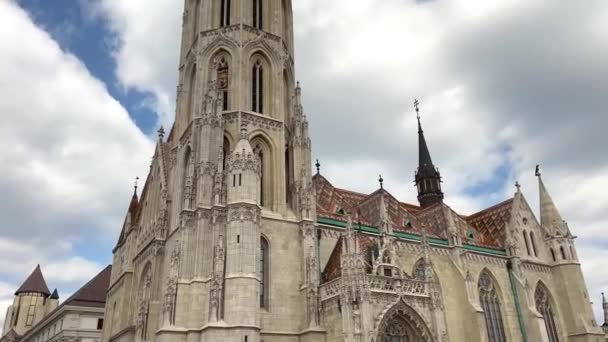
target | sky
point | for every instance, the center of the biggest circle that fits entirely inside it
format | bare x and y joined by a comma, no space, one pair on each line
503,84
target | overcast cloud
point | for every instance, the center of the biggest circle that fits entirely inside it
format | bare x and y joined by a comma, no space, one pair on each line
504,85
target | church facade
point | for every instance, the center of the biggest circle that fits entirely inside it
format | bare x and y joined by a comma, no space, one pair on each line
234,239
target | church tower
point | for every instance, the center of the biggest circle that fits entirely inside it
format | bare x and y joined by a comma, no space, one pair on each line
223,236
32,303
428,178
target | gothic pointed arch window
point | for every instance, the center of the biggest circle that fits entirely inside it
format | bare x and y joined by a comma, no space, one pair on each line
263,268
553,255
263,150
258,14
223,80
420,270
533,242
195,18
225,12
490,304
144,296
527,242
563,252
543,306
257,87
190,105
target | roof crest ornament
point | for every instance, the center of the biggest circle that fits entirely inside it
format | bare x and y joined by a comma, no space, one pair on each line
318,166
381,181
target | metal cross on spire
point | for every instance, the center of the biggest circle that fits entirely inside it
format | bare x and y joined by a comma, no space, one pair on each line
381,180
318,166
416,106
518,186
136,183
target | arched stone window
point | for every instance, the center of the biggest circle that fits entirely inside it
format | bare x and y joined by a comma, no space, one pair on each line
144,296
225,12
420,270
490,303
257,87
223,80
572,255
188,179
263,150
544,307
527,242
226,150
553,255
190,106
533,242
258,14
264,274
195,17
563,251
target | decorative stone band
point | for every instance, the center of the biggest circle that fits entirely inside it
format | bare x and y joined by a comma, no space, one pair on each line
380,284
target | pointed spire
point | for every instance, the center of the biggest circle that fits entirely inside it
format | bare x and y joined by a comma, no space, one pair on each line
134,199
34,283
605,308
549,215
428,178
55,294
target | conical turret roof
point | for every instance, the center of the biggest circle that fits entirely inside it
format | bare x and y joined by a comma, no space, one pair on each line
550,217
34,283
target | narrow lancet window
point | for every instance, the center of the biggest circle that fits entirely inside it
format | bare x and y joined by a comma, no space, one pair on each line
258,14
263,273
543,306
225,12
257,88
490,303
223,82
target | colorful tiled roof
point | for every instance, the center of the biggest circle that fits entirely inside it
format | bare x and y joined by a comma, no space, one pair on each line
34,283
485,228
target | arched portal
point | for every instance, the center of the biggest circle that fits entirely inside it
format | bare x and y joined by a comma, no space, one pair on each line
403,324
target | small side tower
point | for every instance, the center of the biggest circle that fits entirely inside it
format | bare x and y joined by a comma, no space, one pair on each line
572,296
428,178
31,304
243,280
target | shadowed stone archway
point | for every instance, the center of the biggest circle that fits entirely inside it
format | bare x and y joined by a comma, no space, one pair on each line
401,323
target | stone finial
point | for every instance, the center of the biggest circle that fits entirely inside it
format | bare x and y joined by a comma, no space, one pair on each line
381,181
318,166
161,133
136,184
537,171
417,108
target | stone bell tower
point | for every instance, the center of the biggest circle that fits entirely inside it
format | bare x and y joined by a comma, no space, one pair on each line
237,66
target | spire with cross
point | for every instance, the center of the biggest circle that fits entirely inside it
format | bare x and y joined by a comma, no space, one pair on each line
428,178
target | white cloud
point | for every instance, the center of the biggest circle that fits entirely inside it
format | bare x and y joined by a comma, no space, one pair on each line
68,152
146,47
503,84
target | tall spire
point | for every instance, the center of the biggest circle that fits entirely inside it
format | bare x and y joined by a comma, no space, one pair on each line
428,178
550,217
